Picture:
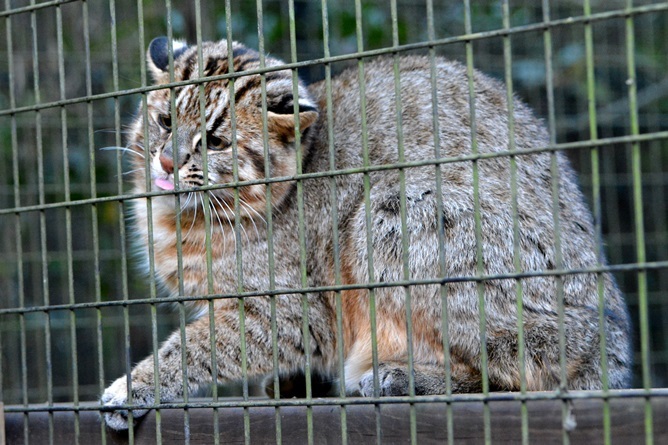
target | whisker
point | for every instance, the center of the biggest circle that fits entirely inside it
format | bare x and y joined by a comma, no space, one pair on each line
277,210
229,221
249,208
123,149
212,209
194,218
139,145
220,224
238,216
203,250
111,130
185,204
133,171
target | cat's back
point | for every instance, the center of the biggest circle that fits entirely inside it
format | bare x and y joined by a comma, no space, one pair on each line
434,126
365,114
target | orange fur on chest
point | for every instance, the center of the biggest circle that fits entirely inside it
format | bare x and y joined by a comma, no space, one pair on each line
192,252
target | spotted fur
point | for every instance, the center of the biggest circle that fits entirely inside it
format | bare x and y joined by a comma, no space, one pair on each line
239,230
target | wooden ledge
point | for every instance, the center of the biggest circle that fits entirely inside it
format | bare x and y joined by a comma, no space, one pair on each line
545,422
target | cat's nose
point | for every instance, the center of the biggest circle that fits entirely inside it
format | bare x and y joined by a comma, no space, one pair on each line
167,163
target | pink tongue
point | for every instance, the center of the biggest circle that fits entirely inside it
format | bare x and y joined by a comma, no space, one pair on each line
164,184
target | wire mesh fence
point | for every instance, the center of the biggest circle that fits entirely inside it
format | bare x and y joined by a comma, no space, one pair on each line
77,310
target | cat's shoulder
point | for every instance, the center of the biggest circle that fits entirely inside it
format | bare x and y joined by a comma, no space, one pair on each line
418,71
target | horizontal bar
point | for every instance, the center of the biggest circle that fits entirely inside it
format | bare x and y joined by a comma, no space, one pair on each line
646,137
233,402
541,26
31,8
344,287
545,423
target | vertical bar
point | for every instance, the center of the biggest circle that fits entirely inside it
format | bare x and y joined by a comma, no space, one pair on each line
335,221
207,209
598,215
42,223
439,212
517,260
301,228
68,222
478,224
177,218
554,172
149,222
18,239
367,214
639,222
237,220
599,247
596,189
657,166
121,207
93,194
269,223
549,77
404,228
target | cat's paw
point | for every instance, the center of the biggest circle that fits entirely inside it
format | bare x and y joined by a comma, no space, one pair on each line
392,381
117,394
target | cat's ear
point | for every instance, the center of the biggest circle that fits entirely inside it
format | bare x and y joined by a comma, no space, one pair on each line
157,57
281,118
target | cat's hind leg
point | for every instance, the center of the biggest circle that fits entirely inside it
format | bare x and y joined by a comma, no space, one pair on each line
429,379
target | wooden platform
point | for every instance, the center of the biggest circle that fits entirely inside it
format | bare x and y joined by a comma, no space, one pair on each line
545,423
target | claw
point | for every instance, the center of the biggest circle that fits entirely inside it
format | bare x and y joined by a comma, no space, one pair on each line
115,395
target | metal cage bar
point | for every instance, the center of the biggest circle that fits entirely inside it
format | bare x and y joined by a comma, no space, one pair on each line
43,317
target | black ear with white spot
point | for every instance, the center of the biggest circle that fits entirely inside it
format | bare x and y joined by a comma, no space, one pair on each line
158,57
280,113
285,104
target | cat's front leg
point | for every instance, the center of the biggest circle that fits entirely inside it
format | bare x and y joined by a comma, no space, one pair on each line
170,369
117,394
227,355
143,385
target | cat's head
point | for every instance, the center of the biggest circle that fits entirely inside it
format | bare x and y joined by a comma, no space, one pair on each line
233,116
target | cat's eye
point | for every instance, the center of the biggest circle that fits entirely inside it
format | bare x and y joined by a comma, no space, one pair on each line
165,121
216,143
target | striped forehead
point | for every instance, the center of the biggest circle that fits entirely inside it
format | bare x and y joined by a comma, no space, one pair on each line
188,101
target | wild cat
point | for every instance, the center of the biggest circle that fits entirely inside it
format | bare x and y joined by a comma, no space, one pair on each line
366,233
